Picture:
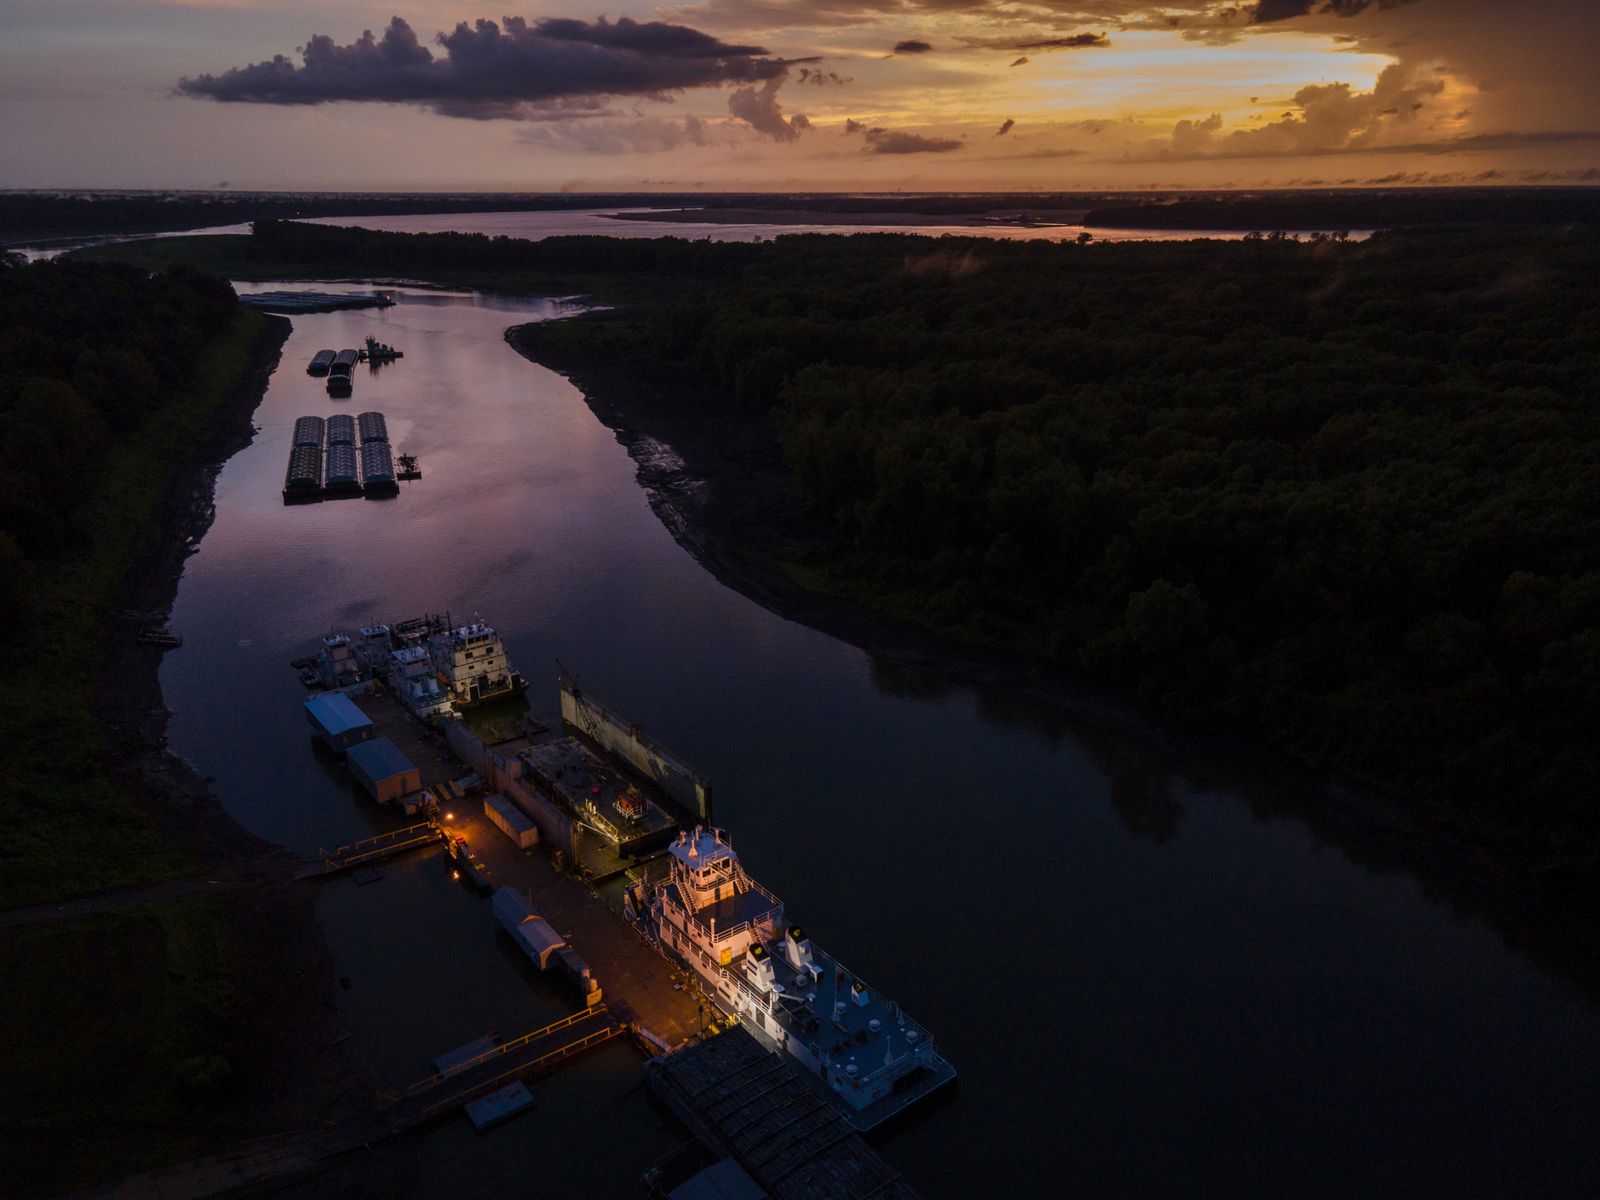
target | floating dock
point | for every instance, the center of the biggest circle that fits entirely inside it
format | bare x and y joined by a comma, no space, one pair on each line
499,1106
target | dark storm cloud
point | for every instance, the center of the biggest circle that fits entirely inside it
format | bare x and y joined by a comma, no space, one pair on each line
912,46
1283,10
490,70
818,77
1076,41
1072,41
891,141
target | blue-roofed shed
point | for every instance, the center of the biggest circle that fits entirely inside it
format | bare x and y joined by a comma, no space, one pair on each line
337,721
383,769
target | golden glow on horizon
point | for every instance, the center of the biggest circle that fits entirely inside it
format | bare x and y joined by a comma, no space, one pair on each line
90,86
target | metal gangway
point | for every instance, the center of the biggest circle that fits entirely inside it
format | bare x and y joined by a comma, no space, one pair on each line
516,1059
375,849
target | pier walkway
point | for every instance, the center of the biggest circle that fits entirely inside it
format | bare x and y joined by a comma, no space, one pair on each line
373,850
641,986
521,1057
270,1163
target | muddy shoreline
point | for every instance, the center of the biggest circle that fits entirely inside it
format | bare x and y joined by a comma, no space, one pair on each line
716,479
294,1064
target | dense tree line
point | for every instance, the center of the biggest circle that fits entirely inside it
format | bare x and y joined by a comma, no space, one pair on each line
87,353
1356,208
54,214
47,214
1344,494
275,243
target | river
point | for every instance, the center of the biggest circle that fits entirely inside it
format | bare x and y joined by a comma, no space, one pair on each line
1153,980
599,222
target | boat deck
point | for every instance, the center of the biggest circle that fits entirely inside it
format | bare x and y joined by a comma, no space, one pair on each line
752,906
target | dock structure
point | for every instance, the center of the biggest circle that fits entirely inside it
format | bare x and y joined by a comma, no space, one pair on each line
496,1068
270,1163
373,850
582,783
762,1110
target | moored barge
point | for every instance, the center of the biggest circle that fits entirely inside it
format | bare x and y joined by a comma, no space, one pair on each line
340,477
303,481
377,470
341,373
372,427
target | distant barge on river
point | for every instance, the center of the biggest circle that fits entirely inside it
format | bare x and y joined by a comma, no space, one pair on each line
342,456
339,366
315,302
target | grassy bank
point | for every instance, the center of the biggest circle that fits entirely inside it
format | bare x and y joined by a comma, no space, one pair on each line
72,831
120,1028
118,1032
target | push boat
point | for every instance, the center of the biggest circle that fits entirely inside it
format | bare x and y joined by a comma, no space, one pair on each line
869,1056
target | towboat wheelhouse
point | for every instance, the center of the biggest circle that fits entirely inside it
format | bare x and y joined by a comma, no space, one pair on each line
873,1059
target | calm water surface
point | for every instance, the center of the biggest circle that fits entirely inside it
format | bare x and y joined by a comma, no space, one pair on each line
1150,988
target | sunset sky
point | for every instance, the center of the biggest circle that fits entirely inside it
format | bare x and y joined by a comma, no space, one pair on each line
796,95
